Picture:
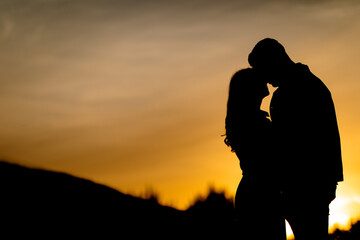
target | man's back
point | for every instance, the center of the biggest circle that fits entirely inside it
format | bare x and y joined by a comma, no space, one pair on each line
303,116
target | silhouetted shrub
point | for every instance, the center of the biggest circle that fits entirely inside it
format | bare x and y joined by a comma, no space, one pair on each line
352,234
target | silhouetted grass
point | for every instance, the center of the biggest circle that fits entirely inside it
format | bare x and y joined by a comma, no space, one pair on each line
44,204
352,234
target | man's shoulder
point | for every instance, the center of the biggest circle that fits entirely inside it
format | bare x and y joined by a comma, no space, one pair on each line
303,72
302,66
310,80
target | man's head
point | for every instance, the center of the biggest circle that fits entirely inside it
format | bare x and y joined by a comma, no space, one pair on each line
270,58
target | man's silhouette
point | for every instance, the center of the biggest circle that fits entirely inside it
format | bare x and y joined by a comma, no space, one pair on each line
307,139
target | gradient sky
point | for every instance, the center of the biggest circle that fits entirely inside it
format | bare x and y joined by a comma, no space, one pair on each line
132,94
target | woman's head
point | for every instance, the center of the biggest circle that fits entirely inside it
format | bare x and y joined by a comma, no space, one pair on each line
246,91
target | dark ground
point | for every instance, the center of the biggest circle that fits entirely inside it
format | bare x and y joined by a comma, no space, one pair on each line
43,204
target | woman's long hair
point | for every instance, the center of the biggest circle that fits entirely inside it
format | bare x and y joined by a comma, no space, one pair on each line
245,95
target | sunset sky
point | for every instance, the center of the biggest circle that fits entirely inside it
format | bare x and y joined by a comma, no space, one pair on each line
132,94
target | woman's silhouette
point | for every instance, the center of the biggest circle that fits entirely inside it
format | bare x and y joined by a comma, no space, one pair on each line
249,134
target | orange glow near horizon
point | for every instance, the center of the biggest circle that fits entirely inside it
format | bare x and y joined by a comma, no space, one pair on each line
133,95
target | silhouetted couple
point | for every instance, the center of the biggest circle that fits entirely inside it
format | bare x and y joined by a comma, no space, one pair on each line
292,163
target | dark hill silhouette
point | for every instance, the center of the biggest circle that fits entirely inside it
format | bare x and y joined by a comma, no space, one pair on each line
37,202
49,205
46,204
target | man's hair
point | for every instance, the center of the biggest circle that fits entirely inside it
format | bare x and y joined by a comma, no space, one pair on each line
268,51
